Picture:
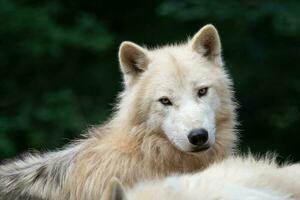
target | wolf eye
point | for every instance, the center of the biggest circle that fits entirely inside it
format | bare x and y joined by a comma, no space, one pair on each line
202,92
165,101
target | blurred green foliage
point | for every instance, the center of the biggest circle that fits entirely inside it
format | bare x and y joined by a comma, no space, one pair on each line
59,71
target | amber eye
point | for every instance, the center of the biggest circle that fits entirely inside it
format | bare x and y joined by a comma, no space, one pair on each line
165,101
202,92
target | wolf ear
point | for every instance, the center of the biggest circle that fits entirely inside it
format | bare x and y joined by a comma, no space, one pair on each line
114,191
133,60
207,43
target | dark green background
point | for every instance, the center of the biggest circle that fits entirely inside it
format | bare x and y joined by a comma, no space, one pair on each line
59,71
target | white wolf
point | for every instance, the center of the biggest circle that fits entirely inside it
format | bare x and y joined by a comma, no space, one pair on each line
232,179
175,115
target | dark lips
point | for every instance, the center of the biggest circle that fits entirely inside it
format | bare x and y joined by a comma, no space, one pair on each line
198,149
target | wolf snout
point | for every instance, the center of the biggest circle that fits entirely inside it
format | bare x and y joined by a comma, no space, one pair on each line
198,137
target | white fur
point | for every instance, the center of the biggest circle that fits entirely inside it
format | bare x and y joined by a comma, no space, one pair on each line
232,179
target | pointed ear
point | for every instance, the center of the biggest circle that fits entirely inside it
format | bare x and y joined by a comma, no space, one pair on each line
114,191
133,60
207,43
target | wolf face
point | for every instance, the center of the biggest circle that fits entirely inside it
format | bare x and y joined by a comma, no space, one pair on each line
178,90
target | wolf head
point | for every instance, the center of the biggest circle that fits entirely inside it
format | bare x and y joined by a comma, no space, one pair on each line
181,91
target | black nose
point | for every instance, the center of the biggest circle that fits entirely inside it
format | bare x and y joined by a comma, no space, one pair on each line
198,137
